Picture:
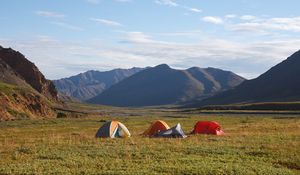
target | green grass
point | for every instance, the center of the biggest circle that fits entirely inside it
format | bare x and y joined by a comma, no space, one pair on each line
6,87
263,106
253,144
19,115
10,90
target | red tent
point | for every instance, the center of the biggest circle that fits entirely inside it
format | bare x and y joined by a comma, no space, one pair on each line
207,127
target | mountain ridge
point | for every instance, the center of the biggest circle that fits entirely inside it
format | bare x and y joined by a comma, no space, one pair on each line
24,91
28,72
161,85
91,83
279,84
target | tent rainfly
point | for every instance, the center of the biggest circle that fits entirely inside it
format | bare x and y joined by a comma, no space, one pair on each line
113,129
156,127
207,127
174,132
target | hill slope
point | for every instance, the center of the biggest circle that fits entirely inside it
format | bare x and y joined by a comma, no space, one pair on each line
27,71
24,91
163,85
92,83
280,83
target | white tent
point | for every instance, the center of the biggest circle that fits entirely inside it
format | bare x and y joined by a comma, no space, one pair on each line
175,131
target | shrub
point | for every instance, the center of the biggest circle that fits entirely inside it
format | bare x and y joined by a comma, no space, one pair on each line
61,115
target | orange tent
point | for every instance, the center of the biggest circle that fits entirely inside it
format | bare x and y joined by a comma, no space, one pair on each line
207,127
156,127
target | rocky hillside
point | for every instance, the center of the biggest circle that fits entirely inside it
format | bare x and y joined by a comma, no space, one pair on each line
279,84
92,83
27,71
23,103
24,91
163,85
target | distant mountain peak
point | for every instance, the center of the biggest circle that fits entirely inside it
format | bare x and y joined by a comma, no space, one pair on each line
295,55
161,85
162,66
91,83
194,68
278,84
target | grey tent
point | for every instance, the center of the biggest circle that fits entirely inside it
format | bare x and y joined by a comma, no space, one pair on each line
175,131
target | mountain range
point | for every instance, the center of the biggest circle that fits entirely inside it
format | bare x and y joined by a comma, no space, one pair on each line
87,85
24,91
162,85
279,84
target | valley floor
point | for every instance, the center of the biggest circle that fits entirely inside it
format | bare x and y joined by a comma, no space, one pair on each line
253,144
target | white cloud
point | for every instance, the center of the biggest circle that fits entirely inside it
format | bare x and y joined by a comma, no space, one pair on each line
68,26
93,1
166,2
288,24
230,16
269,24
172,3
106,22
192,33
123,0
248,27
195,10
49,14
59,59
137,37
213,19
45,38
248,17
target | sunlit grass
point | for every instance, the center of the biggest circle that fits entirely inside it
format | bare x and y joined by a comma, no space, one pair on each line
252,145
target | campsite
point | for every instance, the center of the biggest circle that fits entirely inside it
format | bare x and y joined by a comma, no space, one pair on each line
150,87
252,144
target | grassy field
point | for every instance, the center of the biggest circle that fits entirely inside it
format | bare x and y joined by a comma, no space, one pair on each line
253,144
266,106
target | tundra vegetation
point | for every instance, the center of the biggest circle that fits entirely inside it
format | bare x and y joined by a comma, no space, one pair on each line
253,144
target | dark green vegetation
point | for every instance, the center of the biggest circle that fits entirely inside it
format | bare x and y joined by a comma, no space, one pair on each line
253,144
163,85
91,83
271,106
279,84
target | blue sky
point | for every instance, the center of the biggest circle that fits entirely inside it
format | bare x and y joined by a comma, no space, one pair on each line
67,37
